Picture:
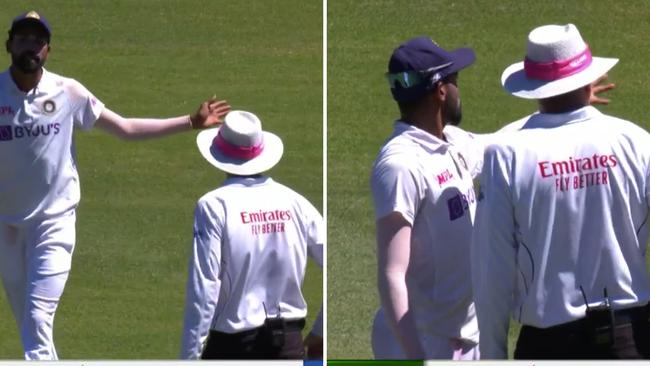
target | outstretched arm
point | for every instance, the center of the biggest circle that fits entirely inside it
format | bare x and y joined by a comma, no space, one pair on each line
210,113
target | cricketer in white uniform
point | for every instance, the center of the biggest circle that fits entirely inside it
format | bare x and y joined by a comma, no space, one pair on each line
565,205
252,238
424,202
39,184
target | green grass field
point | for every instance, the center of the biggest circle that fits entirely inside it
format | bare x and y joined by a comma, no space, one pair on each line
361,37
161,58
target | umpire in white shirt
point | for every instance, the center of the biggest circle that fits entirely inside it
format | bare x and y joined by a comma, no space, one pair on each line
252,237
561,231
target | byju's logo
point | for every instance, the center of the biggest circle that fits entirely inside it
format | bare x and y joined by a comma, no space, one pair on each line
456,209
460,203
6,133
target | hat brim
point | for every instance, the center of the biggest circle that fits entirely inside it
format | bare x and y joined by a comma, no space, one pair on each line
515,82
270,156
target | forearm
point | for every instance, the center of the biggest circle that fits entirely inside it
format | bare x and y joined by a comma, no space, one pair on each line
142,128
394,300
201,295
194,333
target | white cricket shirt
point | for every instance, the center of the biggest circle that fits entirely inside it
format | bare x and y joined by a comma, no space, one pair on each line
429,181
252,237
565,204
38,174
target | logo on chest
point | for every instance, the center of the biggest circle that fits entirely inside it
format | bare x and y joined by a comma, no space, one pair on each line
444,177
8,133
49,107
6,110
460,204
5,133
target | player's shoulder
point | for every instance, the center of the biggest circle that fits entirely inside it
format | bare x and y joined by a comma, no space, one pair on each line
390,162
67,84
626,126
398,151
58,79
515,125
215,196
291,194
456,134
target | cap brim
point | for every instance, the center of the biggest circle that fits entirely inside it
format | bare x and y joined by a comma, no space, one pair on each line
463,57
270,156
515,82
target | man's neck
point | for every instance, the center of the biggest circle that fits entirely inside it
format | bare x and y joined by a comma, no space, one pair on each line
566,103
24,81
561,108
430,122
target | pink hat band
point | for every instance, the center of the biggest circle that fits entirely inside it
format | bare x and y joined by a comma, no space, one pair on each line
555,70
235,151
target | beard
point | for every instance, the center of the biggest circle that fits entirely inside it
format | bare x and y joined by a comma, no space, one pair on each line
453,112
27,62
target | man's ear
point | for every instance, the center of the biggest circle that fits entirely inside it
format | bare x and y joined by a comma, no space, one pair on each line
441,92
7,47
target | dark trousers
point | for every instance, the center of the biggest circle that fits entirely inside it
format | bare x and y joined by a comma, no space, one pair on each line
256,344
580,340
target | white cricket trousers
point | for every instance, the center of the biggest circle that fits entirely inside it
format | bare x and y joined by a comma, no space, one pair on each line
35,258
386,347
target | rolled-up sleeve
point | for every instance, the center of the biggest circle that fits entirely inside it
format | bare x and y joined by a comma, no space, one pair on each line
203,284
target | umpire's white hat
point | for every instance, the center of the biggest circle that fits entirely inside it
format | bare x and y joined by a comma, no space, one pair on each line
557,61
239,146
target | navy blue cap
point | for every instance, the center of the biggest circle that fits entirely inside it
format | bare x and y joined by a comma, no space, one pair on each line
419,63
31,16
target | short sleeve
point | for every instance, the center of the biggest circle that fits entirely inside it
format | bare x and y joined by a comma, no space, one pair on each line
395,188
86,108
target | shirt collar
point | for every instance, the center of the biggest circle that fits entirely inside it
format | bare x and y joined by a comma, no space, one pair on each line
419,136
10,86
545,120
247,181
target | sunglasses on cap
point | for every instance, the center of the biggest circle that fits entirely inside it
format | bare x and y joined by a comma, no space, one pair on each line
408,79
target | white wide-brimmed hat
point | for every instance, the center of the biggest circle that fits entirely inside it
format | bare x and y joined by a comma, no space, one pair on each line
239,146
557,61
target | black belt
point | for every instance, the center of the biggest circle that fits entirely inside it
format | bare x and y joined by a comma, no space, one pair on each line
291,325
621,316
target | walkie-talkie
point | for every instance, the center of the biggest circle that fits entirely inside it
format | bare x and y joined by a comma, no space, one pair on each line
601,320
275,329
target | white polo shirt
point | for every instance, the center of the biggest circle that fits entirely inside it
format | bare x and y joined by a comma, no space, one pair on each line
565,206
429,182
38,174
252,237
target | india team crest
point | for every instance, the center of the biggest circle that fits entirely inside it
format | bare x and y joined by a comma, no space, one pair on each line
461,158
49,106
